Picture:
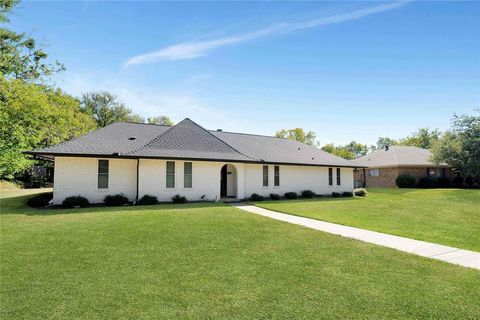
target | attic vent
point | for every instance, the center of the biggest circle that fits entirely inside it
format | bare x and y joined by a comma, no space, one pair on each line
299,148
132,138
387,147
219,129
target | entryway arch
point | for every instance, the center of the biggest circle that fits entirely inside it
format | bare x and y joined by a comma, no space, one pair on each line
228,181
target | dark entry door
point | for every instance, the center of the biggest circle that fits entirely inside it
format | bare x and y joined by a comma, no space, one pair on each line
223,182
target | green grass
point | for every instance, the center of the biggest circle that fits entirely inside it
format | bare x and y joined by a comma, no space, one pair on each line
210,261
446,216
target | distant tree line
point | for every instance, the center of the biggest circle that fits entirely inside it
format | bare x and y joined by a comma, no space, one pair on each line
33,112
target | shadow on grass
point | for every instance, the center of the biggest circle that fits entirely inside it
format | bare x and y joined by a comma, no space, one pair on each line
17,205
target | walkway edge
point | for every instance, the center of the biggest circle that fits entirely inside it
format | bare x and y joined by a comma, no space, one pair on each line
465,258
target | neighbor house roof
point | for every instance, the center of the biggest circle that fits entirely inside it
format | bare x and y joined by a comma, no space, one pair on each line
397,156
188,140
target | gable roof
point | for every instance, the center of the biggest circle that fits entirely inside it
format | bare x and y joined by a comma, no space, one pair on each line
397,156
188,140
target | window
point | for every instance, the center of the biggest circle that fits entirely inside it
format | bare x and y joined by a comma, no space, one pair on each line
170,174
373,172
102,174
338,177
265,176
330,176
276,181
187,174
431,172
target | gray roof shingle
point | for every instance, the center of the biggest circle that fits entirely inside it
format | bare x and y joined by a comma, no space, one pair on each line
188,140
397,156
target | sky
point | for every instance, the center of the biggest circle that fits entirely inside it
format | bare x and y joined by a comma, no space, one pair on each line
346,70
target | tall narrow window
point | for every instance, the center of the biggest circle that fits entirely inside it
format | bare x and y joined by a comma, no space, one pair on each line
276,181
265,176
338,177
187,174
102,174
170,174
330,176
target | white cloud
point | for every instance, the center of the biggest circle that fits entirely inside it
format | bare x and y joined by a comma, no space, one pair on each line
191,50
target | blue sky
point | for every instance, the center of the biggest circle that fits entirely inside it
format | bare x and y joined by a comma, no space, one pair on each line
346,70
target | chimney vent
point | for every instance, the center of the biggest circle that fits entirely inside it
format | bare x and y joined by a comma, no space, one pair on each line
387,147
219,129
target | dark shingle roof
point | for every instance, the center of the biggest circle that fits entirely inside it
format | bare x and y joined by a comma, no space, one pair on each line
397,156
188,140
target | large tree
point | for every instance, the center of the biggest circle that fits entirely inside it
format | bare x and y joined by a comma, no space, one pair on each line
34,116
423,138
298,134
351,150
20,55
460,146
162,120
105,108
383,142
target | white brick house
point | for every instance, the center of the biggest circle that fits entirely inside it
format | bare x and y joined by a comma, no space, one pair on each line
139,159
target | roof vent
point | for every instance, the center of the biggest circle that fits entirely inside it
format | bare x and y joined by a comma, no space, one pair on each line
298,148
219,129
132,138
387,147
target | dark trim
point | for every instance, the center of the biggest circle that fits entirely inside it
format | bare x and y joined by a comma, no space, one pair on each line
112,156
138,179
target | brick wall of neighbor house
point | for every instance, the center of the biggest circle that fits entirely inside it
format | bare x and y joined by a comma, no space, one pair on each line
387,176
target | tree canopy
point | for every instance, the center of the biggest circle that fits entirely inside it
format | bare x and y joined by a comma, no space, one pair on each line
460,146
105,108
298,134
162,120
33,116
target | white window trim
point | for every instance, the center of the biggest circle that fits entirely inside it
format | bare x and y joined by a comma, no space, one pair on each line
102,190
193,184
175,178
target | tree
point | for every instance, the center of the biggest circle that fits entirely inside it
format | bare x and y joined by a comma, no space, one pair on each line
357,149
105,108
33,116
162,120
298,134
383,142
423,138
338,151
20,57
460,147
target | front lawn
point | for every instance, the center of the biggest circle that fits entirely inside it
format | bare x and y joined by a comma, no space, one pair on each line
210,261
446,216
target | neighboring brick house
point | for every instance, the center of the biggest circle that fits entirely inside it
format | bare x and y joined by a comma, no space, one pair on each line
385,165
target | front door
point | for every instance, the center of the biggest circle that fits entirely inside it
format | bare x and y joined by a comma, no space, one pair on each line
223,182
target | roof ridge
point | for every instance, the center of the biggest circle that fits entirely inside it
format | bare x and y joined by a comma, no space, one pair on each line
224,142
146,124
252,134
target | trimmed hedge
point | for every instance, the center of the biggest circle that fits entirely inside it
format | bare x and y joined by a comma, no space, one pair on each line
40,200
308,194
256,197
179,199
115,200
335,194
443,182
427,182
274,196
405,181
147,200
291,195
360,192
75,201
347,194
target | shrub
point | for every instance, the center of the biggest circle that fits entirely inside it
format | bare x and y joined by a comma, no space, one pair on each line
179,199
274,196
147,200
444,182
115,200
40,200
405,181
360,192
347,194
75,201
335,194
308,194
427,182
291,195
458,182
256,197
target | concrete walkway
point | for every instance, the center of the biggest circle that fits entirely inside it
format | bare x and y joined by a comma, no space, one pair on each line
457,256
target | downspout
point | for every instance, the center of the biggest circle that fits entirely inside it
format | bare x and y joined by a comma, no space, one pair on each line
364,177
138,166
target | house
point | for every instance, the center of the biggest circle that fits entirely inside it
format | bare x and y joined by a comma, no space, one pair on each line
139,159
385,165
